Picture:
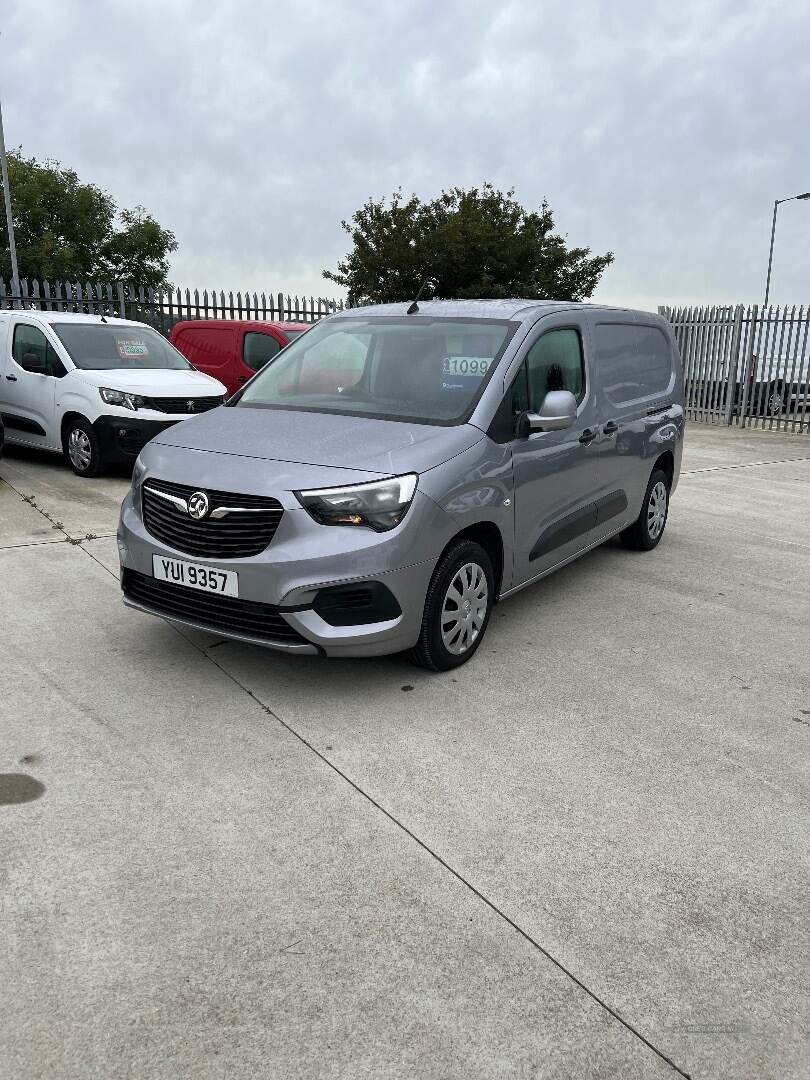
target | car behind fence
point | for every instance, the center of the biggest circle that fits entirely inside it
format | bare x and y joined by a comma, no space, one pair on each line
745,366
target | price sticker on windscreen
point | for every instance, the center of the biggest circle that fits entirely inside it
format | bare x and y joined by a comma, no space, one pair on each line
130,347
464,372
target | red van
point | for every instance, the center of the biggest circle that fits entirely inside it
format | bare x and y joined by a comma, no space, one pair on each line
232,350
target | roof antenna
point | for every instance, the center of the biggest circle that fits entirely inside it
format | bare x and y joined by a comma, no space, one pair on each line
428,286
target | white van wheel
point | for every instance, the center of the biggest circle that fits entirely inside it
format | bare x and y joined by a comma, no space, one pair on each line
81,446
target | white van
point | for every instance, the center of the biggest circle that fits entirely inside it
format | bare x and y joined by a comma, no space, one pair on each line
94,388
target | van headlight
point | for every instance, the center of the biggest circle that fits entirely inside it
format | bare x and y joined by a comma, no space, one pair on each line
380,505
118,397
138,471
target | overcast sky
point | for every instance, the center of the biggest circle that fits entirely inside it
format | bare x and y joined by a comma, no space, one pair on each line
660,131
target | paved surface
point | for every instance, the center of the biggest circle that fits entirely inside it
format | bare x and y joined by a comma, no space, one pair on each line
583,855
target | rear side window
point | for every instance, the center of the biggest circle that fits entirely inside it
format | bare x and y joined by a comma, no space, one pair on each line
635,362
555,363
258,349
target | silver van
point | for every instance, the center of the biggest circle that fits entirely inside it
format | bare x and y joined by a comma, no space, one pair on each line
393,473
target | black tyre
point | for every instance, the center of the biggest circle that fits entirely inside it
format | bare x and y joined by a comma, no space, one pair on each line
646,531
457,607
81,446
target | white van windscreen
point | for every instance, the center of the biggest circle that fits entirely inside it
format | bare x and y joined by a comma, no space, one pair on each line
104,346
634,362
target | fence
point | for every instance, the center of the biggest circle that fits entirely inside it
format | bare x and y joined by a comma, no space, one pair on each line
163,308
745,366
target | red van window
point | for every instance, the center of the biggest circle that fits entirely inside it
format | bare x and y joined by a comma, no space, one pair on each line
258,349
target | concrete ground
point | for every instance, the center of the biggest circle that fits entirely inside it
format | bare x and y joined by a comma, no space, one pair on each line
583,855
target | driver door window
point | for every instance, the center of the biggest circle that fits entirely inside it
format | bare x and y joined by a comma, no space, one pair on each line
33,352
258,349
555,363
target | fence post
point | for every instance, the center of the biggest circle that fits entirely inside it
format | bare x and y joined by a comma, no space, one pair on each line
750,341
733,364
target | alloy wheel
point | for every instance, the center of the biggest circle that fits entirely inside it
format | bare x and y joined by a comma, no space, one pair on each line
464,610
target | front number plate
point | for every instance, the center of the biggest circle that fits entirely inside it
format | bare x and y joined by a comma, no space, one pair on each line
195,576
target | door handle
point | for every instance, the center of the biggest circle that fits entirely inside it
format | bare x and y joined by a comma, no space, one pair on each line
610,428
11,378
242,378
588,435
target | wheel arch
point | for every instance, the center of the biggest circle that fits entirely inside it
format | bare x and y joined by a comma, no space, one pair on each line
489,536
666,461
70,416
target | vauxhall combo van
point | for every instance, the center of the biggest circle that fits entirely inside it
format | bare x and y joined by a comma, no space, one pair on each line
398,470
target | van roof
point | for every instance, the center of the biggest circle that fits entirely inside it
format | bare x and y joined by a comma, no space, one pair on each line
229,324
69,316
516,309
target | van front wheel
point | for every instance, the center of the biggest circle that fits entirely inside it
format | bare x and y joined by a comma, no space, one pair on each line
646,531
457,607
82,448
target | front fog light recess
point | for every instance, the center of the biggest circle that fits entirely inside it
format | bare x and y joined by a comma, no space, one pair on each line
380,505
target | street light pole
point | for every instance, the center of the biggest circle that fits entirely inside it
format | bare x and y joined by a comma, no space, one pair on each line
790,198
12,247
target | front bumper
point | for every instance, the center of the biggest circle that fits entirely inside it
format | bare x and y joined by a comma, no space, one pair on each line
303,560
122,438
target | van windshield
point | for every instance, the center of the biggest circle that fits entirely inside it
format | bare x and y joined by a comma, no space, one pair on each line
399,368
98,347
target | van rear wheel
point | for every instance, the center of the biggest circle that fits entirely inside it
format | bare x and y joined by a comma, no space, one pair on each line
646,531
457,608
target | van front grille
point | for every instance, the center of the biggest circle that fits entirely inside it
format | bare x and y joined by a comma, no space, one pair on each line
181,405
224,614
245,531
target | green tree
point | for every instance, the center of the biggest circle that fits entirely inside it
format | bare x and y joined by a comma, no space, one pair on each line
70,231
476,243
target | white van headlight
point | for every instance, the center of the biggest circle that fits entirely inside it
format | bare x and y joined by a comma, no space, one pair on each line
380,505
118,397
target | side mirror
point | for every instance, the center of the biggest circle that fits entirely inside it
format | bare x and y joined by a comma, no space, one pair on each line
34,363
558,411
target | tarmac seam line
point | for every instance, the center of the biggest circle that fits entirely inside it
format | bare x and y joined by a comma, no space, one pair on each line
742,465
442,862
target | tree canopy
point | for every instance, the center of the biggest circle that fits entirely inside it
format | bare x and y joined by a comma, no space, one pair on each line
66,230
476,243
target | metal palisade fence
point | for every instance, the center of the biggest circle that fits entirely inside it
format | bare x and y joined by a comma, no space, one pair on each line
162,308
742,365
747,366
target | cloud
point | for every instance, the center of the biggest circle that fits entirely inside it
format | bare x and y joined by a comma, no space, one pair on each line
663,132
